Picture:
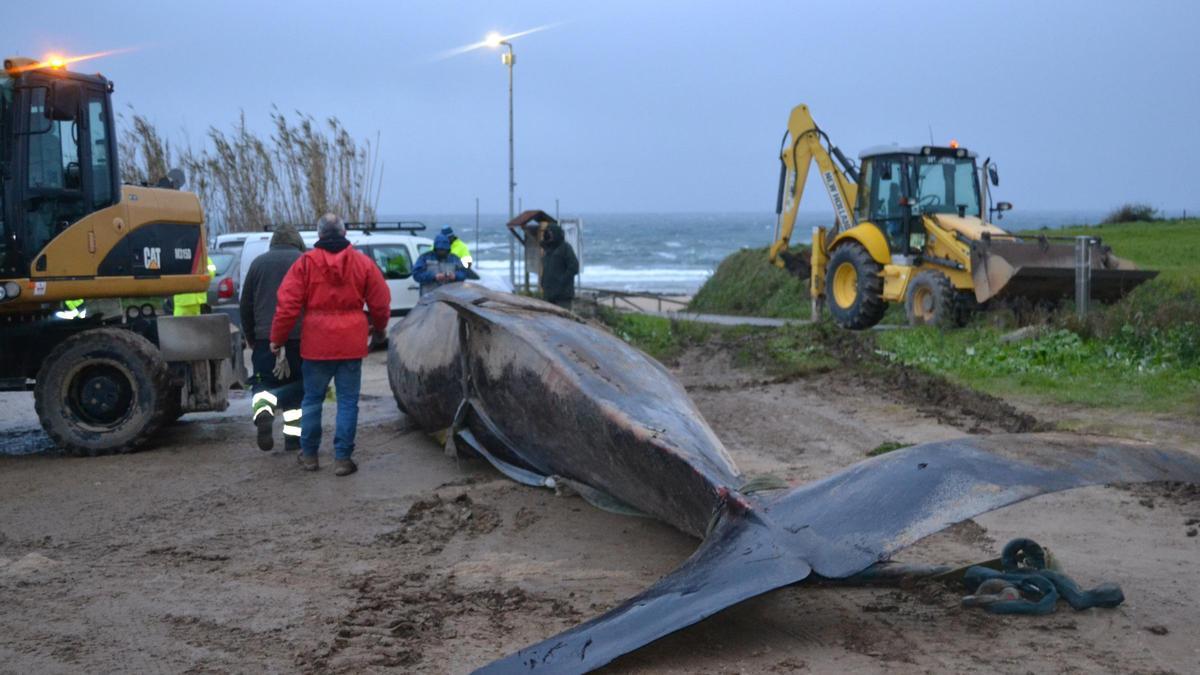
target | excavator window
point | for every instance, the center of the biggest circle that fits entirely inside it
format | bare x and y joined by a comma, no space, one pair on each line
54,178
880,198
53,154
100,164
946,185
9,252
7,240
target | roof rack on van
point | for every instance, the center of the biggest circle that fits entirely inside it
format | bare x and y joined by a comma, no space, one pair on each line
371,226
400,225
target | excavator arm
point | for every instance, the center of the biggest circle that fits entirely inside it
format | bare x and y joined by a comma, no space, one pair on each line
803,144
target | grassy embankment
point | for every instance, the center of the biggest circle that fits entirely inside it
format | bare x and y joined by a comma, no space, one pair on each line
1140,353
777,350
745,283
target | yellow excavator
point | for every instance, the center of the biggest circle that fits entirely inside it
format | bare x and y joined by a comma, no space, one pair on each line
106,378
910,226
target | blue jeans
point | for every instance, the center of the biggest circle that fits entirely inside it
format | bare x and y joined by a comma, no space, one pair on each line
347,380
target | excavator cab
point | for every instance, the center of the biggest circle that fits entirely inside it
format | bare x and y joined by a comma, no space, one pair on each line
898,186
57,139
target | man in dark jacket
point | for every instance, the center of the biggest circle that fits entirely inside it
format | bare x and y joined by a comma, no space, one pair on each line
272,393
438,266
330,284
559,267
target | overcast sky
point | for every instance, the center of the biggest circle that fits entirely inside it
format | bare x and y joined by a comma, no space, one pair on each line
668,105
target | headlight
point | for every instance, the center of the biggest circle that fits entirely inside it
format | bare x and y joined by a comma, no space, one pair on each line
11,289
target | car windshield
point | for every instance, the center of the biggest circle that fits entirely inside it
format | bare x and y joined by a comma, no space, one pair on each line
222,261
946,185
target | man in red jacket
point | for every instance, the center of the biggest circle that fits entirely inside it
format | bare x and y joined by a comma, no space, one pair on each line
331,283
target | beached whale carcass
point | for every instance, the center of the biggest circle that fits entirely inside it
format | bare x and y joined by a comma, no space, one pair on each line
547,398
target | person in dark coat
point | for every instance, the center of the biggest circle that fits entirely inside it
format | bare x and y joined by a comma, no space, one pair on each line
438,266
273,394
559,267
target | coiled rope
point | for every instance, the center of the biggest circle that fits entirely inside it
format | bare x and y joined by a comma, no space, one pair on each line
1027,586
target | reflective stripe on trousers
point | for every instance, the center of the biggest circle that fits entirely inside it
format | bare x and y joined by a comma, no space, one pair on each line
291,422
263,401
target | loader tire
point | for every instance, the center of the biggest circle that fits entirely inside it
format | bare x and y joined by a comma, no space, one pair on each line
931,300
102,391
965,307
854,287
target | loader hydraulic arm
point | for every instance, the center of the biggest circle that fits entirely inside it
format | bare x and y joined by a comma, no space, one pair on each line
801,146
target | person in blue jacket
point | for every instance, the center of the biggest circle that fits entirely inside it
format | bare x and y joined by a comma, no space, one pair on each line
438,266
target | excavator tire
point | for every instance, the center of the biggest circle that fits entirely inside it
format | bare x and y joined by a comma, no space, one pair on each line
172,405
854,287
931,300
102,391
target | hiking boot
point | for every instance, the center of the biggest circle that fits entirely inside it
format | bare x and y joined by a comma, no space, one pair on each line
291,444
307,462
264,422
344,467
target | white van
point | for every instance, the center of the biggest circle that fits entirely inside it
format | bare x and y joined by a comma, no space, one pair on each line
395,254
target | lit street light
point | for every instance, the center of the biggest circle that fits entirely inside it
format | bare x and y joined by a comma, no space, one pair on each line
495,40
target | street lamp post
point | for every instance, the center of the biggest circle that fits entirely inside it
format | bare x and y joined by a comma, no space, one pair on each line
509,59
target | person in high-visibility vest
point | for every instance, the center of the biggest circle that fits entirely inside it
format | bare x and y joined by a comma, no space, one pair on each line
74,310
188,304
458,247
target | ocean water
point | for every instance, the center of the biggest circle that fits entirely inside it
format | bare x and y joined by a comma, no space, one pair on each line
671,252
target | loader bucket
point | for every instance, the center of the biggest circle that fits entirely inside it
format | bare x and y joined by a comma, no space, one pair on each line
1039,269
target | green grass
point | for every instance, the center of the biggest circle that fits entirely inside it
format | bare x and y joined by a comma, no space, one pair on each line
781,352
1059,366
661,338
746,284
789,352
1170,246
886,447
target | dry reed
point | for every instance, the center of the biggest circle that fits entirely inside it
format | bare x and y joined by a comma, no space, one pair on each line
248,182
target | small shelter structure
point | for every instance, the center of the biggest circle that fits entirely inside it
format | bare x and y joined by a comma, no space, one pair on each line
527,228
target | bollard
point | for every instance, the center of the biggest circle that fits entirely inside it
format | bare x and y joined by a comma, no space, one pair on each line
1083,274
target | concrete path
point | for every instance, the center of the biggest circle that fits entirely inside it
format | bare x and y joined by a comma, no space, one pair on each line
727,320
730,320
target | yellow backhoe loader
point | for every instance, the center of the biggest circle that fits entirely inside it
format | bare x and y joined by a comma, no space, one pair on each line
109,372
911,226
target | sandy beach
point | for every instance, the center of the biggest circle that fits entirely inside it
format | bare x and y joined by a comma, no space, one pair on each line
203,554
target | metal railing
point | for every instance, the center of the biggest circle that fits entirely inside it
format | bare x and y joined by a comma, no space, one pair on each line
625,299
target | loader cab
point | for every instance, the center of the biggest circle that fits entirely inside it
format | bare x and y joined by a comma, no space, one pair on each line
57,157
899,185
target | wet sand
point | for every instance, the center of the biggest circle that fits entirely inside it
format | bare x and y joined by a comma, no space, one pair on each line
204,554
